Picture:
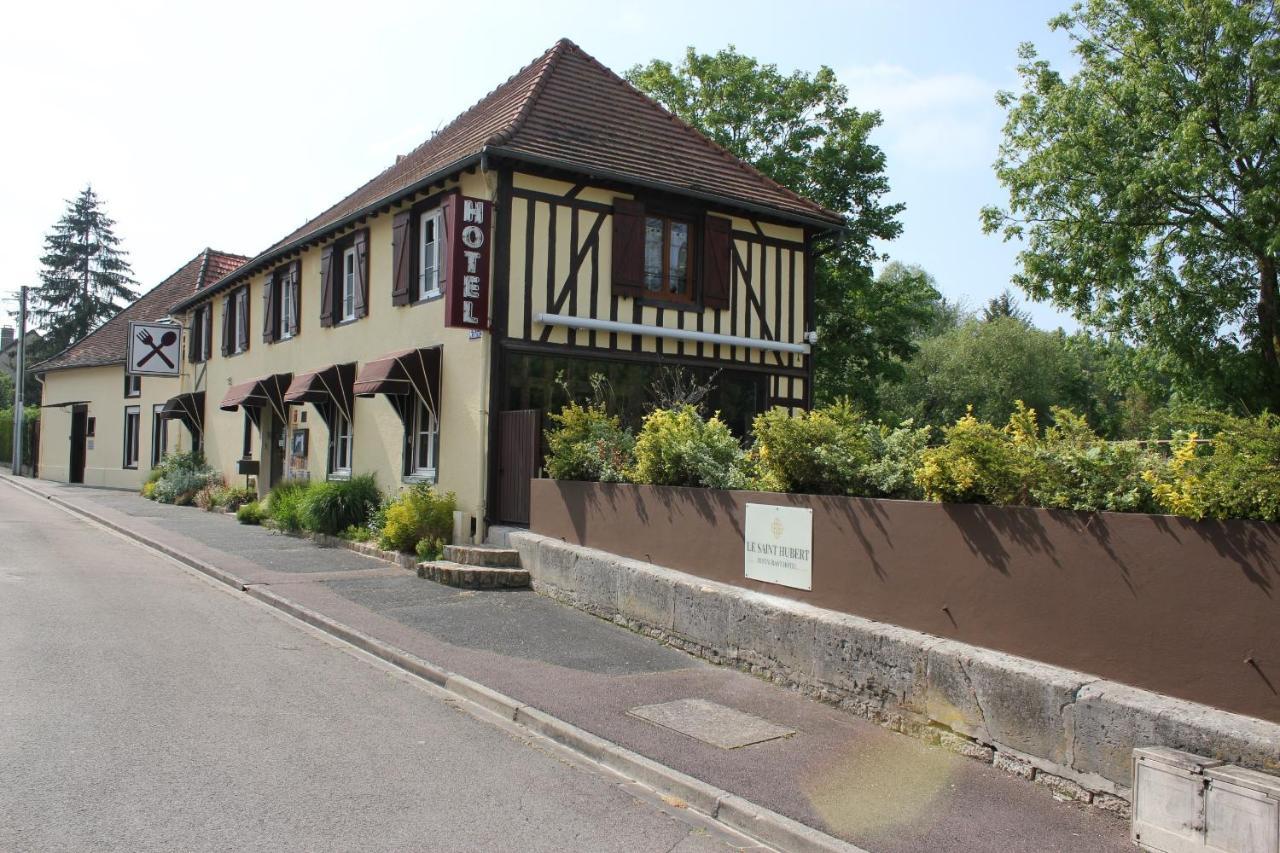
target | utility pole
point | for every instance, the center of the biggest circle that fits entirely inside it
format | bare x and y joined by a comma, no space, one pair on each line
20,378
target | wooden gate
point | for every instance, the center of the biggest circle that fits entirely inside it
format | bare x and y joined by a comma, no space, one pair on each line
519,456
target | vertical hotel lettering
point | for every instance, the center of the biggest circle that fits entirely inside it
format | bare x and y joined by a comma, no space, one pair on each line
468,266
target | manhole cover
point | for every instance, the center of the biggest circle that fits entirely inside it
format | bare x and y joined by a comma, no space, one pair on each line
711,723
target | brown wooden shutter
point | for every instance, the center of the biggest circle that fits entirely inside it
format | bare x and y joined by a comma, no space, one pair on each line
402,255
206,334
362,273
628,247
326,286
193,339
717,243
228,329
295,282
270,287
450,211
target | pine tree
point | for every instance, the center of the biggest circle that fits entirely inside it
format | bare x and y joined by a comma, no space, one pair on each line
86,278
1005,305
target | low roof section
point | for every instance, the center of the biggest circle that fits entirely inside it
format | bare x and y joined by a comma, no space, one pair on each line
565,111
188,408
106,345
329,386
258,394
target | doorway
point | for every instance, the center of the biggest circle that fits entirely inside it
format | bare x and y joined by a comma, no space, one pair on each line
276,450
519,457
79,432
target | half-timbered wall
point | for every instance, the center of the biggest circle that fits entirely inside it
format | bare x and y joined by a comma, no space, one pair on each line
560,263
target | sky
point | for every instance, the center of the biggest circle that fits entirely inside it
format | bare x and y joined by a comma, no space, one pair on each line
230,124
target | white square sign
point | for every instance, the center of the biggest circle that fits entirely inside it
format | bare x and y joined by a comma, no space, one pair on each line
778,545
155,349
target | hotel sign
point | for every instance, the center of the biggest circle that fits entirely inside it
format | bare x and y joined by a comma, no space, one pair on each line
778,545
467,290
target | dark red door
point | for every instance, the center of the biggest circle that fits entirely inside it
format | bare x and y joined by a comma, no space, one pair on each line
519,457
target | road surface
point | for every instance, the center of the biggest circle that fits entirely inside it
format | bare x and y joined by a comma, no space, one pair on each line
144,707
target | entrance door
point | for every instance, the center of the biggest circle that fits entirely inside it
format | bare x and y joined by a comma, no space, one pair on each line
79,428
276,449
519,455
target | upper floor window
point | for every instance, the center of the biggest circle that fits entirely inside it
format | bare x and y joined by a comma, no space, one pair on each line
132,385
666,258
349,284
430,253
235,322
280,299
201,334
288,309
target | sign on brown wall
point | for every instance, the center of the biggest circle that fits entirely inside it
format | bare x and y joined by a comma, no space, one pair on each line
467,262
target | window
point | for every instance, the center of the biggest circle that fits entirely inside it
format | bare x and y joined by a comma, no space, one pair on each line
235,322
288,306
666,258
349,284
132,386
242,319
430,253
340,446
426,432
159,435
90,427
248,437
132,416
201,345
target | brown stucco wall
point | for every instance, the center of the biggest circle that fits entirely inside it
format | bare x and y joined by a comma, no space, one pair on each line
1160,602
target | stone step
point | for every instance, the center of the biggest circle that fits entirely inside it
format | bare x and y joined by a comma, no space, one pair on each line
483,555
473,577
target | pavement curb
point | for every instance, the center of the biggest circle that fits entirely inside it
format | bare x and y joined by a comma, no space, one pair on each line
721,806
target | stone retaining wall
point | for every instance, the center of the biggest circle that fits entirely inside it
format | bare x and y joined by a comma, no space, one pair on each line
1067,730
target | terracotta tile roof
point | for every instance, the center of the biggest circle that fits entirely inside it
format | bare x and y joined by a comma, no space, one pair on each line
106,344
567,109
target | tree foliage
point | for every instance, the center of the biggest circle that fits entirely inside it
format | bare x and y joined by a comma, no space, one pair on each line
85,279
1146,187
799,130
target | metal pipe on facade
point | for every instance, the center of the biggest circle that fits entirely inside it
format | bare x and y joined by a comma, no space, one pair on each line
660,332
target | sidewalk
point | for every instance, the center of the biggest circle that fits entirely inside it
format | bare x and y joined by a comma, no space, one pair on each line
843,775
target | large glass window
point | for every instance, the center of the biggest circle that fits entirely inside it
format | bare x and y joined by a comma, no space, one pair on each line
132,418
340,448
426,432
430,254
666,258
349,284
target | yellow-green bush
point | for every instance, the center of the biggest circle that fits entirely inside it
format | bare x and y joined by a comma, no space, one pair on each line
418,513
678,447
587,443
980,463
1237,476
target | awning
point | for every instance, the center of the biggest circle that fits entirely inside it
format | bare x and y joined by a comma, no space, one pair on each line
259,394
188,408
333,385
399,374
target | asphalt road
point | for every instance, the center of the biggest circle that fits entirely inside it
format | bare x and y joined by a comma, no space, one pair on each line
143,707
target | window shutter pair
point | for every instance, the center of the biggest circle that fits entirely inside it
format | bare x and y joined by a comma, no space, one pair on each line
628,254
327,278
271,307
362,273
403,255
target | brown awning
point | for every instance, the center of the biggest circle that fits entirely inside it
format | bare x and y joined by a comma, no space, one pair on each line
259,393
188,408
402,373
333,385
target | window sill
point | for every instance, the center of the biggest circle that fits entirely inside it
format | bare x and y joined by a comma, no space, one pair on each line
236,353
346,321
433,296
427,477
133,467
339,476
670,304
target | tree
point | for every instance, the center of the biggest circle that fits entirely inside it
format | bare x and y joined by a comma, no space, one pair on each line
1147,186
85,277
1004,305
799,130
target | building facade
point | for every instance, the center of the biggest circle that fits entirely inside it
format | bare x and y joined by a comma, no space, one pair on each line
100,426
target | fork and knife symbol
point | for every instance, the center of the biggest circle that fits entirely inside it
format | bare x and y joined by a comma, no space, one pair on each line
166,340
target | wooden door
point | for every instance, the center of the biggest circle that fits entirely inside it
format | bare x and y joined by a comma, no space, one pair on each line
79,428
519,457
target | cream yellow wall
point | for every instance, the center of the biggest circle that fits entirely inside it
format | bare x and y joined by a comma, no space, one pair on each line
103,389
378,432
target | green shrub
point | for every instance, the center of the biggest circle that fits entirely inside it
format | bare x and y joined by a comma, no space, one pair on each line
822,452
355,533
149,490
284,506
678,447
981,463
429,550
180,476
588,443
1080,470
895,457
417,513
210,497
335,505
234,497
250,513
1237,476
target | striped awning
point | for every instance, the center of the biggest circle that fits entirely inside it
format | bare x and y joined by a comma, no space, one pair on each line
260,393
188,408
412,371
332,384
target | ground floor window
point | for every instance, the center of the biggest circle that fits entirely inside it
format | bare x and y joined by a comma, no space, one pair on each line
340,446
159,435
247,450
132,418
426,434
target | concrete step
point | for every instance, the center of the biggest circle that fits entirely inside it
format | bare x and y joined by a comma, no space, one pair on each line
483,555
473,577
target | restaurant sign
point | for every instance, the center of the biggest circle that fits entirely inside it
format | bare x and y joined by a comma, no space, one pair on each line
778,545
467,291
